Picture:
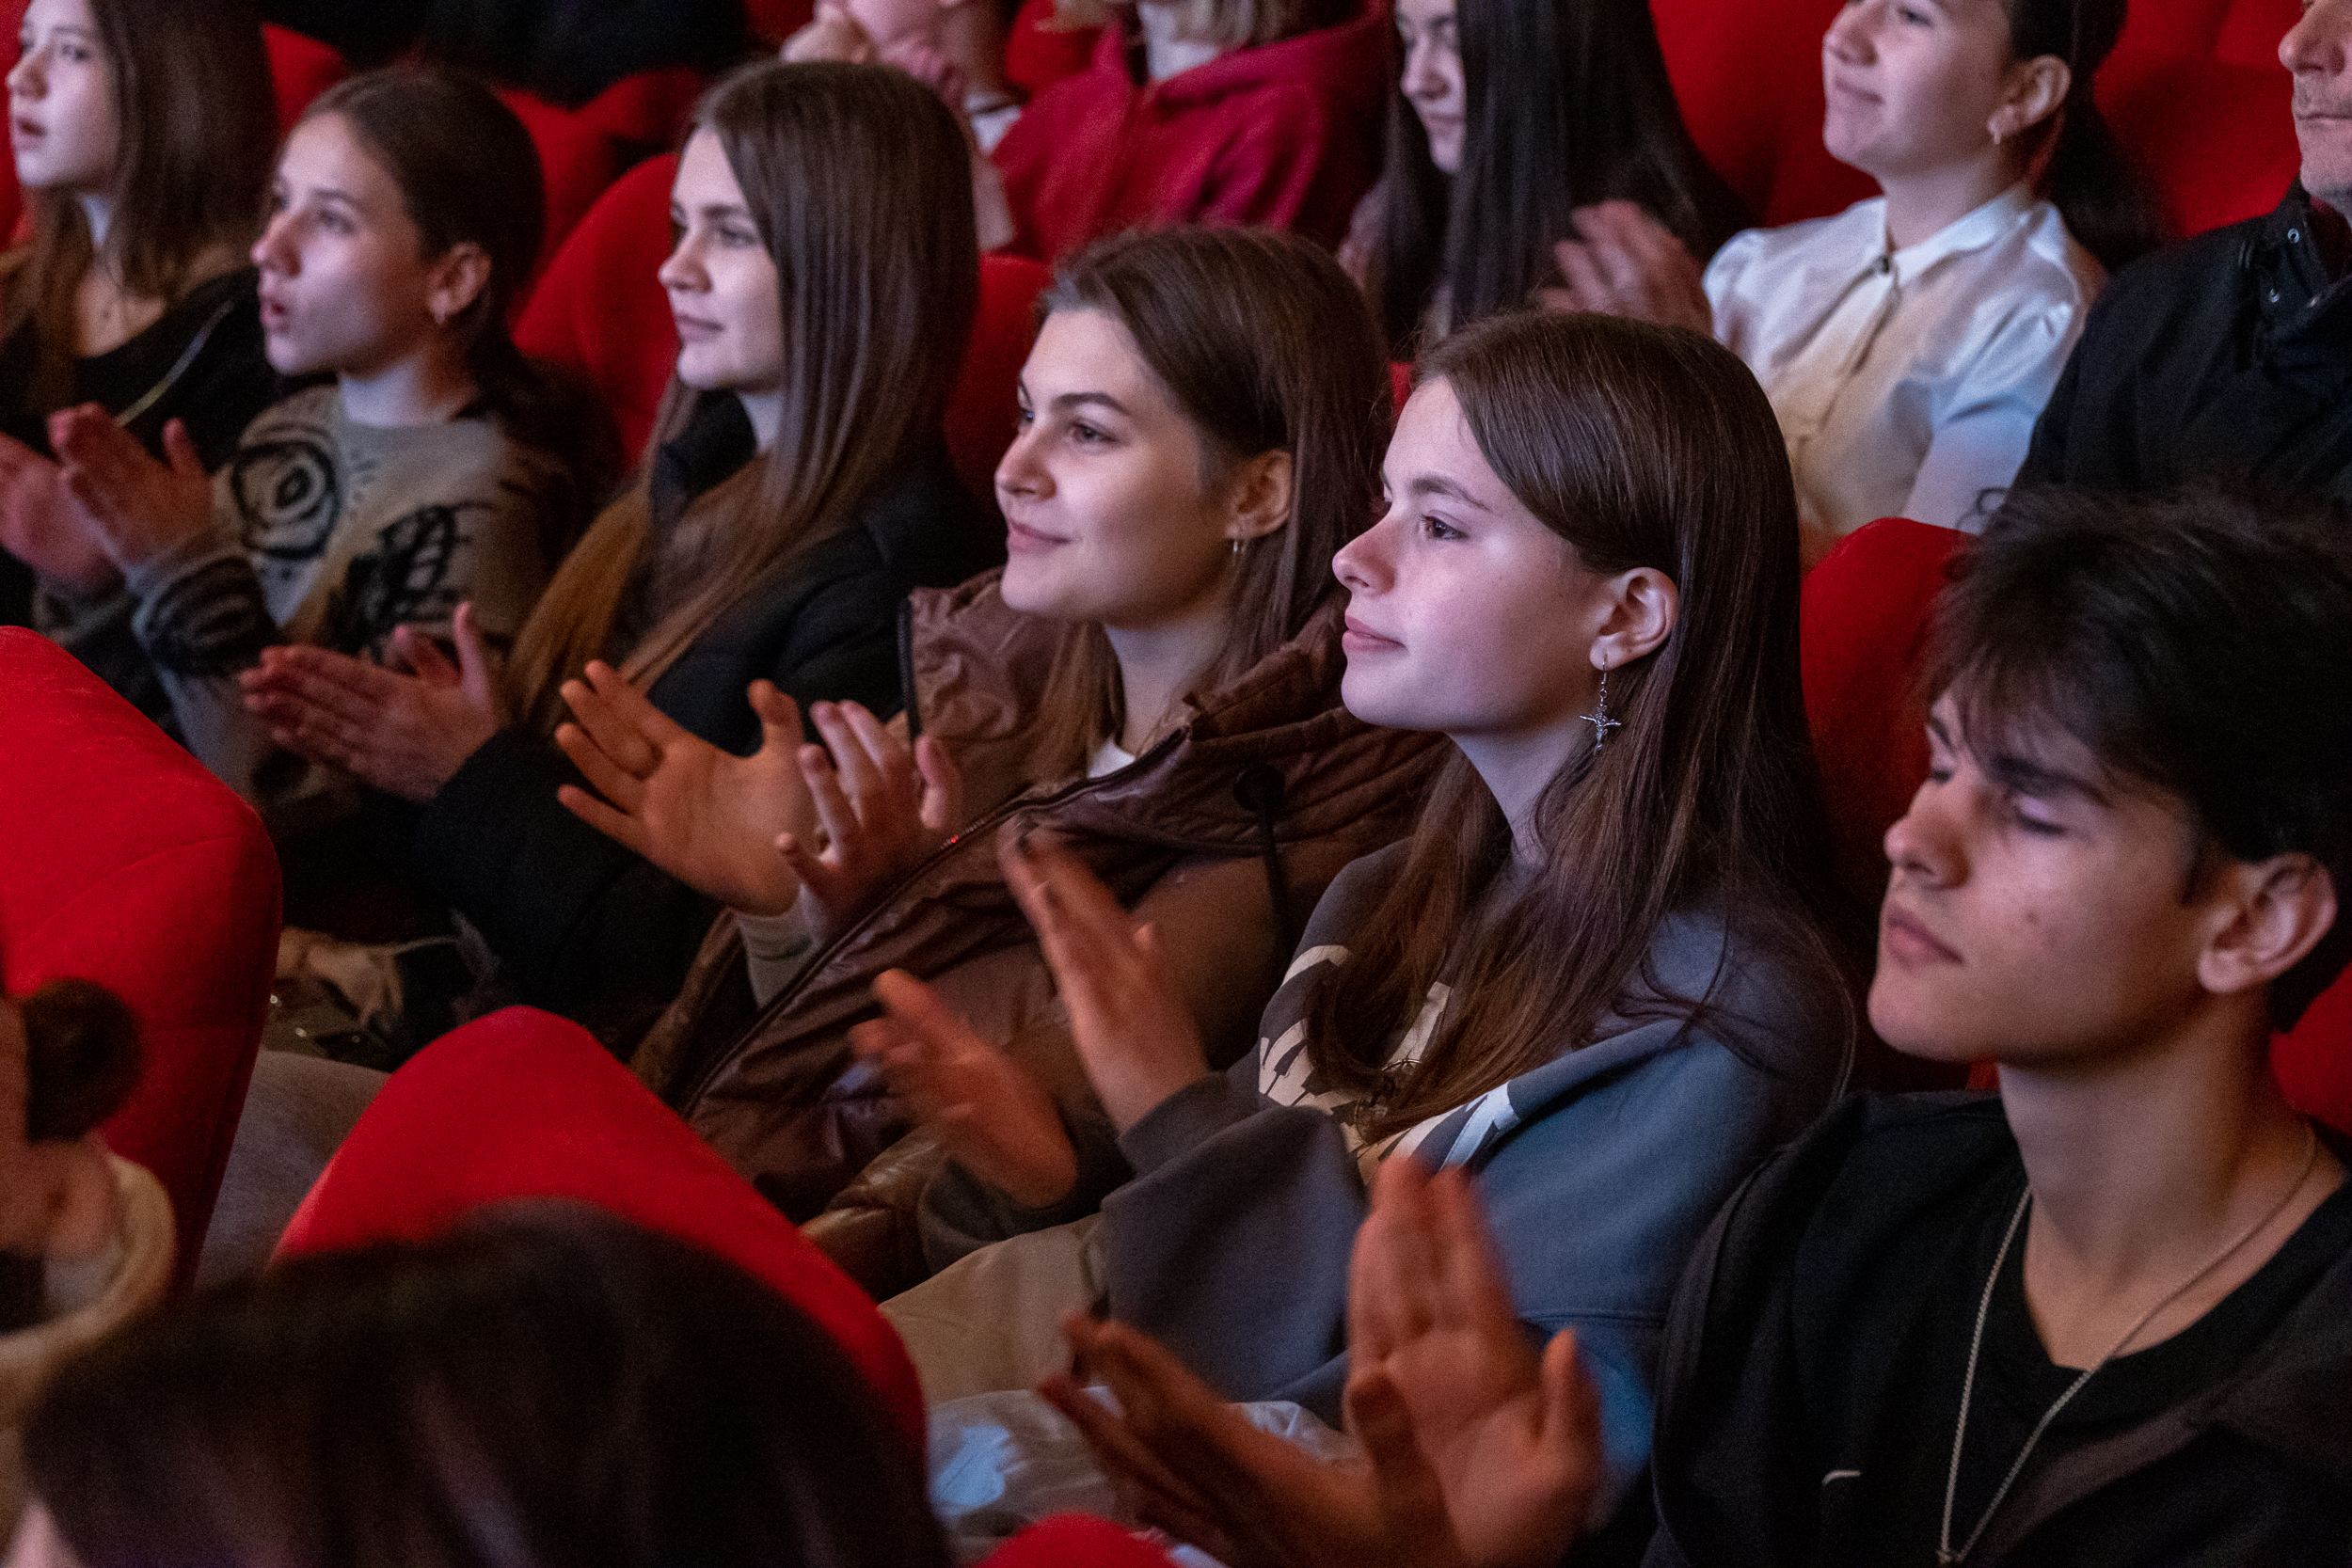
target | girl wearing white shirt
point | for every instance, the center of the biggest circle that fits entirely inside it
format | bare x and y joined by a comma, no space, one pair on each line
1909,344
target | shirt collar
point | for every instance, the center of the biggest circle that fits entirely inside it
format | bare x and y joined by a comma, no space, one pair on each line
1977,229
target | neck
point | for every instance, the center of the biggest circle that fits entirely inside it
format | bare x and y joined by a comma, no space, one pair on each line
1155,666
1166,49
1518,768
98,213
2142,1164
766,412
1921,206
429,385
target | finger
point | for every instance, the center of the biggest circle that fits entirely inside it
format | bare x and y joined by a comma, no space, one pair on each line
1581,273
943,786
1412,1496
1392,1284
634,708
423,657
615,783
1571,1405
917,1009
1462,1256
351,692
179,449
1166,1497
779,717
475,673
617,826
858,780
898,785
622,746
835,815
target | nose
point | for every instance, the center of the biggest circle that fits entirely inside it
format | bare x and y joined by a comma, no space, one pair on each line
276,252
1019,472
1362,564
1924,844
1849,35
2316,44
682,269
25,78
1420,78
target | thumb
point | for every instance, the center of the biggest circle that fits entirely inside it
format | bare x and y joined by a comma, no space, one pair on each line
943,791
180,448
779,717
423,657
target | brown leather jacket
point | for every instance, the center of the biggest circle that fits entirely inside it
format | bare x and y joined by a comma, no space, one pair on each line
1190,836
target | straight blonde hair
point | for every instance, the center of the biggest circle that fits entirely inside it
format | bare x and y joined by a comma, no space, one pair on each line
859,184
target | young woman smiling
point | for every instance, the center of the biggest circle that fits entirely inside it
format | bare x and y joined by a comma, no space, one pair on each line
359,515
1509,115
796,487
1910,343
1595,975
1153,677
142,132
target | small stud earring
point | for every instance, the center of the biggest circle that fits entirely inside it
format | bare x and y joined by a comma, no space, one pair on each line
1996,135
1237,548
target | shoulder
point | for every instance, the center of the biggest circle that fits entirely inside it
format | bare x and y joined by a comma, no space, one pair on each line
1759,988
307,412
1353,894
2199,276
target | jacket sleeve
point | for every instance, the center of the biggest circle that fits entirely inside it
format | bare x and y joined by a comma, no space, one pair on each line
587,928
1297,167
1233,1243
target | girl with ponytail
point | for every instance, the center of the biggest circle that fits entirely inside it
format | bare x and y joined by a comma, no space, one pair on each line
1909,344
360,514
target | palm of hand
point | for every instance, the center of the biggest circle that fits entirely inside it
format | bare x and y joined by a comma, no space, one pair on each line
712,819
40,526
1490,1431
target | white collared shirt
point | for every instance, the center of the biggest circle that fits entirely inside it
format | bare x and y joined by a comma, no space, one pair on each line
1907,382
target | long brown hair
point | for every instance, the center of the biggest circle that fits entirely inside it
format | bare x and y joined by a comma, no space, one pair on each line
1641,446
1265,343
859,184
197,120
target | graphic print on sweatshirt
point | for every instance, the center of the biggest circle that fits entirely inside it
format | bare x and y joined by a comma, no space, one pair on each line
1286,1076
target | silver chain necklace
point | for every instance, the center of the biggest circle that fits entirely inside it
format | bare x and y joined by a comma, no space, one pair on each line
1946,1556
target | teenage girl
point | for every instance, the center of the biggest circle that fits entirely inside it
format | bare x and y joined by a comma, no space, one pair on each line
361,515
1909,344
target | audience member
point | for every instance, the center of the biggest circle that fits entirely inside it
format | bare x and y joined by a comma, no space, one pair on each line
358,516
796,488
1508,115
1204,111
2230,356
548,1386
1599,975
1909,344
2098,1319
85,1239
142,132
1153,675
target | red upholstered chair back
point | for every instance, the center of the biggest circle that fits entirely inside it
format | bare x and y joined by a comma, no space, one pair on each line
1864,627
525,1104
774,21
600,310
2315,1061
583,151
300,69
125,863
2214,138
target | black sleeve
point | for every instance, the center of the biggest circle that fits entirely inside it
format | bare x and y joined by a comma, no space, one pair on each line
2045,455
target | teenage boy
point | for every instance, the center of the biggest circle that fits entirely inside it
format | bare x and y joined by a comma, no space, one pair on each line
2105,1318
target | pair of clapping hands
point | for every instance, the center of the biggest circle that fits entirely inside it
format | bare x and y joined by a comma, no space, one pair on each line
103,504
824,830
1625,262
1478,1453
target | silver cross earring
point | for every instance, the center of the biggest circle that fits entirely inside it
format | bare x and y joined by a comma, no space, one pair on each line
1600,718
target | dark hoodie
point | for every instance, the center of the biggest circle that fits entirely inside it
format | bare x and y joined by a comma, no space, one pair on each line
1271,762
2228,358
1813,1362
1284,134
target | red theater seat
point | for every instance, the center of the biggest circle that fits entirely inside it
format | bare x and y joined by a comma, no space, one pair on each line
1074,1541
600,311
2217,140
1037,54
525,1104
583,151
300,69
1865,627
2315,1061
774,21
1748,78
125,863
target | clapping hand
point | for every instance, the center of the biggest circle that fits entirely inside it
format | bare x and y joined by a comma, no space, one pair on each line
42,526
405,734
130,505
989,1113
703,815
1625,262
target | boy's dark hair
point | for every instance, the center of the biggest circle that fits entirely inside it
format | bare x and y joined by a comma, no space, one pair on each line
81,1058
2199,643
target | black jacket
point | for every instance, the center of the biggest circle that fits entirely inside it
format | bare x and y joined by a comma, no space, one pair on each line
584,926
1790,1327
2229,356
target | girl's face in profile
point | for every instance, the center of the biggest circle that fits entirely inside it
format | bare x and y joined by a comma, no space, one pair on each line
1108,516
722,280
345,285
1432,80
63,124
1465,614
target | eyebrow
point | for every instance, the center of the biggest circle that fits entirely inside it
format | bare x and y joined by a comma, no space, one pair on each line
2026,775
1068,400
1437,484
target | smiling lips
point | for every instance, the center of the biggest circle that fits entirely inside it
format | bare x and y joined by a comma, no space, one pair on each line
1360,638
1021,539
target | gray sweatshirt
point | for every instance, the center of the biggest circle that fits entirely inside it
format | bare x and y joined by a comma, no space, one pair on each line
1598,1171
333,533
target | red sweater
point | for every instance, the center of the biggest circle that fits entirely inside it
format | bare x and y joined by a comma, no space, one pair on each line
1285,135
